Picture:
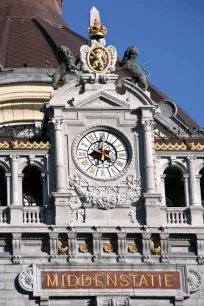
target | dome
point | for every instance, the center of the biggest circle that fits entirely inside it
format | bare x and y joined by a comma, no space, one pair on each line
31,31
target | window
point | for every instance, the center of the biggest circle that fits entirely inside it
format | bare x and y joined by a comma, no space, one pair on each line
32,187
174,187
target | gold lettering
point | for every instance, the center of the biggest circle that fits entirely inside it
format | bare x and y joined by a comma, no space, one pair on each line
114,282
143,281
51,283
84,277
134,279
152,278
96,278
69,280
123,277
168,280
160,283
63,280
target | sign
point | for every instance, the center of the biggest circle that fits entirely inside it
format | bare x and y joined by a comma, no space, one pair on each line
110,280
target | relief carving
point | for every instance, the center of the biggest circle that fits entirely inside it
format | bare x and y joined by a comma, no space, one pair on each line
26,279
126,192
194,280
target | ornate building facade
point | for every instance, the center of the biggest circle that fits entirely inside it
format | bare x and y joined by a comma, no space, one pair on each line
101,174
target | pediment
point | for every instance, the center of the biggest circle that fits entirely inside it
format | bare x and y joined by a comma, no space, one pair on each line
101,99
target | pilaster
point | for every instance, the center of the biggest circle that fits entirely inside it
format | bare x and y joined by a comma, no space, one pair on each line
62,208
192,180
72,244
97,246
53,246
8,187
164,239
200,248
16,248
59,155
121,247
146,246
14,179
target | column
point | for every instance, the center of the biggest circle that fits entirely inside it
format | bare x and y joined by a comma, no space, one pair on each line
8,187
186,189
149,164
45,195
198,177
14,178
20,181
59,156
192,176
163,176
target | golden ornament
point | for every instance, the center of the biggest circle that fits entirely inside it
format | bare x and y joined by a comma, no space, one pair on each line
155,250
108,248
133,248
62,247
84,248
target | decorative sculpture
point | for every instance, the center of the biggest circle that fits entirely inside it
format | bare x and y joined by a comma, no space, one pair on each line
128,64
68,64
84,248
62,247
155,247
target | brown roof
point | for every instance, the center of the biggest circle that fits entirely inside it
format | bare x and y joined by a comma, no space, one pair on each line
32,30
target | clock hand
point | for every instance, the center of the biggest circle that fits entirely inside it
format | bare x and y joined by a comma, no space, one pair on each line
103,146
105,155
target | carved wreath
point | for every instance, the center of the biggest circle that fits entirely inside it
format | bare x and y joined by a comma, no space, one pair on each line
84,248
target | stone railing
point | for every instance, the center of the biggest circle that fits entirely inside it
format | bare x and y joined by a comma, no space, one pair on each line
33,215
4,215
177,215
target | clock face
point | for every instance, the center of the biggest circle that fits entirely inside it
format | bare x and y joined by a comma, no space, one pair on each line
102,154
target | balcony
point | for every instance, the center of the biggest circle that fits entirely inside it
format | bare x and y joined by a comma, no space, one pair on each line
34,215
177,215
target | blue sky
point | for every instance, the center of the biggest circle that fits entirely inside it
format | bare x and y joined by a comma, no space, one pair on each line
169,35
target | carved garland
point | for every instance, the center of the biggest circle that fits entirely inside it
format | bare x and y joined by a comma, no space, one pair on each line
89,129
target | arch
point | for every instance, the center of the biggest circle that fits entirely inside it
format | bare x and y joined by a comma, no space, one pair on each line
177,164
199,167
35,163
32,186
174,187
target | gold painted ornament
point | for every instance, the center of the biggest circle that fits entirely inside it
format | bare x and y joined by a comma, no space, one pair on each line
133,248
62,247
98,59
84,248
108,248
155,247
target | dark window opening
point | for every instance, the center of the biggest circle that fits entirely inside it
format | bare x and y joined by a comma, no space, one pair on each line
32,187
202,185
3,188
174,187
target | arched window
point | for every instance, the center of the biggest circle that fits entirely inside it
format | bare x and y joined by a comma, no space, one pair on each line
174,187
32,187
3,188
202,185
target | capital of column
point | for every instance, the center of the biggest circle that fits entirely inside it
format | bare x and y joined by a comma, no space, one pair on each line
14,157
191,159
147,124
57,123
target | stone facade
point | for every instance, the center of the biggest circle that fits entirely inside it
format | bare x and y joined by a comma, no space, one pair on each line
103,206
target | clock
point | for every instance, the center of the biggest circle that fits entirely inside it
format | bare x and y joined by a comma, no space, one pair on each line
102,154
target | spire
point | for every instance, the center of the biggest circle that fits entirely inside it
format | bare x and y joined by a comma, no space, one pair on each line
94,14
